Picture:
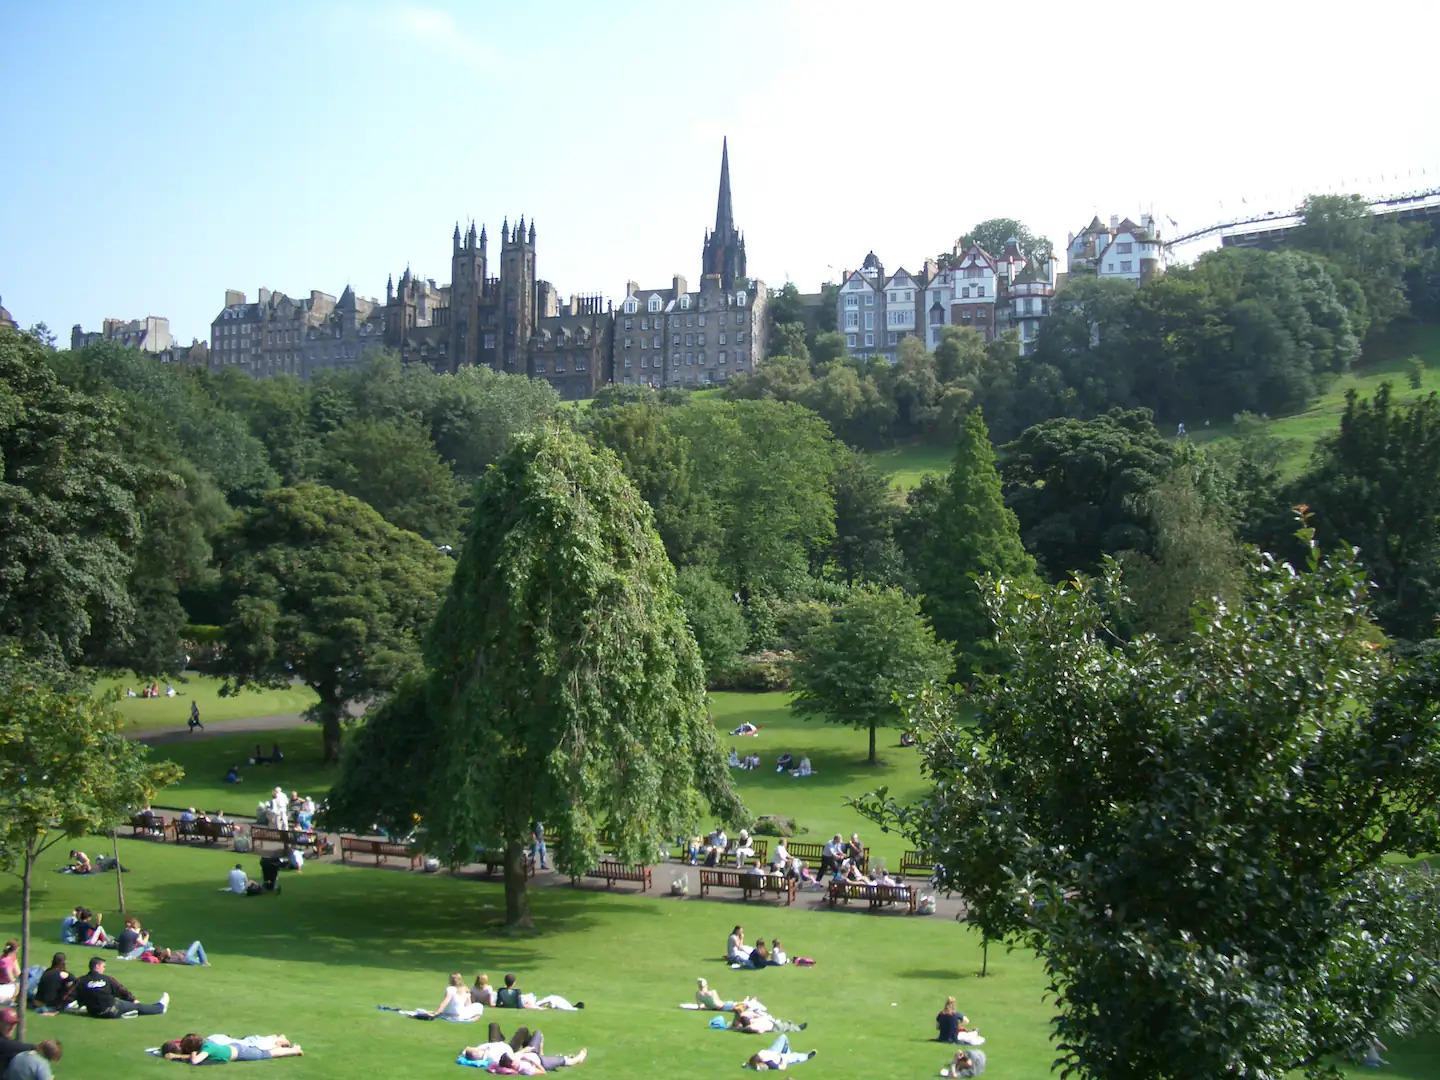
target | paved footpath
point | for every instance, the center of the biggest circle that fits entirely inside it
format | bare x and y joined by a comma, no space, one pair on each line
663,875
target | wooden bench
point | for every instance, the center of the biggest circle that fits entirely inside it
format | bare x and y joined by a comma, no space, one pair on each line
288,839
917,864
380,848
153,826
681,853
613,871
210,832
876,896
811,853
749,884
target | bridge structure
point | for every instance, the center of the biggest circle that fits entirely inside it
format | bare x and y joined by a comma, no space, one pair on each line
1273,228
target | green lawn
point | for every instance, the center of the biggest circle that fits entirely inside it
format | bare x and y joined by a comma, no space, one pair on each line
144,714
313,962
1384,361
906,466
816,803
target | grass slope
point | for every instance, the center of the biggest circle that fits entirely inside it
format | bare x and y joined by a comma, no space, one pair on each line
1384,361
906,466
144,714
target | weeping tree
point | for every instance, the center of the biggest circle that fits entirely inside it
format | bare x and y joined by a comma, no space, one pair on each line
66,770
562,684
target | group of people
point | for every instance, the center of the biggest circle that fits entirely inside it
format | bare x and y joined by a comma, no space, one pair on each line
278,810
758,955
154,691
784,763
240,883
523,1053
750,1016
198,1049
22,1060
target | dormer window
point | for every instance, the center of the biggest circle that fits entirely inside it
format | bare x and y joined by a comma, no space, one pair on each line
631,305
654,303
685,303
739,299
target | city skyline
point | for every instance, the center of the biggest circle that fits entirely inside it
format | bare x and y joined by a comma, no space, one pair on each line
175,153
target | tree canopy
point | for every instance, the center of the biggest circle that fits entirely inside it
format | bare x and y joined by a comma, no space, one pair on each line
562,683
1193,838
859,666
319,587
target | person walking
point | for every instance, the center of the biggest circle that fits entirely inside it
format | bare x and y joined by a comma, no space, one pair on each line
195,718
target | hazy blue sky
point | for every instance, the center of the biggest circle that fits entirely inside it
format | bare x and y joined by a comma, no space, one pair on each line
162,152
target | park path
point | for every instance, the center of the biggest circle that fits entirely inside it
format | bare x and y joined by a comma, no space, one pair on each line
664,873
242,726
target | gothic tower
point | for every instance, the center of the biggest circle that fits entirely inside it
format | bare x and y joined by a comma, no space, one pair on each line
467,283
517,296
724,253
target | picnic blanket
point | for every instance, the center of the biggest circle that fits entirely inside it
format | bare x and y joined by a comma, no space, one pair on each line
424,1014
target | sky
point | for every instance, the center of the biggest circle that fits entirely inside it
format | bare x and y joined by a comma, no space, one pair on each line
164,152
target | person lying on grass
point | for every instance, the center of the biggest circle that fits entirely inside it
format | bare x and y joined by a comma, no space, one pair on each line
707,997
197,1049
966,1063
753,1021
777,1055
525,1052
194,956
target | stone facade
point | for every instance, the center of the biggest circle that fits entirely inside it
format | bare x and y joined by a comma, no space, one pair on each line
283,335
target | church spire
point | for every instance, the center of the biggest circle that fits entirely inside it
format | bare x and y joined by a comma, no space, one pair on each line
724,214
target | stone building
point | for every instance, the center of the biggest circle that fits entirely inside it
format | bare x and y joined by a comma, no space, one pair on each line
283,335
1122,250
150,334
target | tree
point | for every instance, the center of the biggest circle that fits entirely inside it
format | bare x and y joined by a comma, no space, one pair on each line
1371,252
715,618
321,588
67,511
864,547
994,233
1077,487
859,667
1373,484
1193,837
393,466
562,682
965,534
66,770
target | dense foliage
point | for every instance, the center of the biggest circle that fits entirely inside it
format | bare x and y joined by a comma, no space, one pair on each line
1194,837
562,683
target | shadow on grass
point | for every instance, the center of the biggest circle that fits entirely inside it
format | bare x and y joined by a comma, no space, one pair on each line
355,916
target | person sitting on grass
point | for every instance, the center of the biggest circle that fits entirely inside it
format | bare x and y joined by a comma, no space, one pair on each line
707,997
777,1055
777,954
754,1021
734,759
10,971
133,942
104,997
736,951
35,1064
232,775
511,996
760,955
483,992
745,728
948,1021
88,930
456,1005
803,769
54,983
966,1063
196,1049
80,863
784,761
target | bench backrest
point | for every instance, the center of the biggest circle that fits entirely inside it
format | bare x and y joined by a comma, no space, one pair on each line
726,878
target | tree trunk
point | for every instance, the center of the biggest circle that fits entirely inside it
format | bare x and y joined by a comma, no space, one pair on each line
873,759
517,896
330,711
24,939
119,877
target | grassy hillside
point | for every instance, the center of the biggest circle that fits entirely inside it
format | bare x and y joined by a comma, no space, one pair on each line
905,466
146,714
1384,361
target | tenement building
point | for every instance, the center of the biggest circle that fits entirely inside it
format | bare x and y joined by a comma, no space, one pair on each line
150,334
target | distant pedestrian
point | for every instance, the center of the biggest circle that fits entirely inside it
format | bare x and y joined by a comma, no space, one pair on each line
195,718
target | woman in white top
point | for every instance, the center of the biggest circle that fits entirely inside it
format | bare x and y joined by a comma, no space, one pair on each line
804,769
780,857
736,951
743,848
457,1004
